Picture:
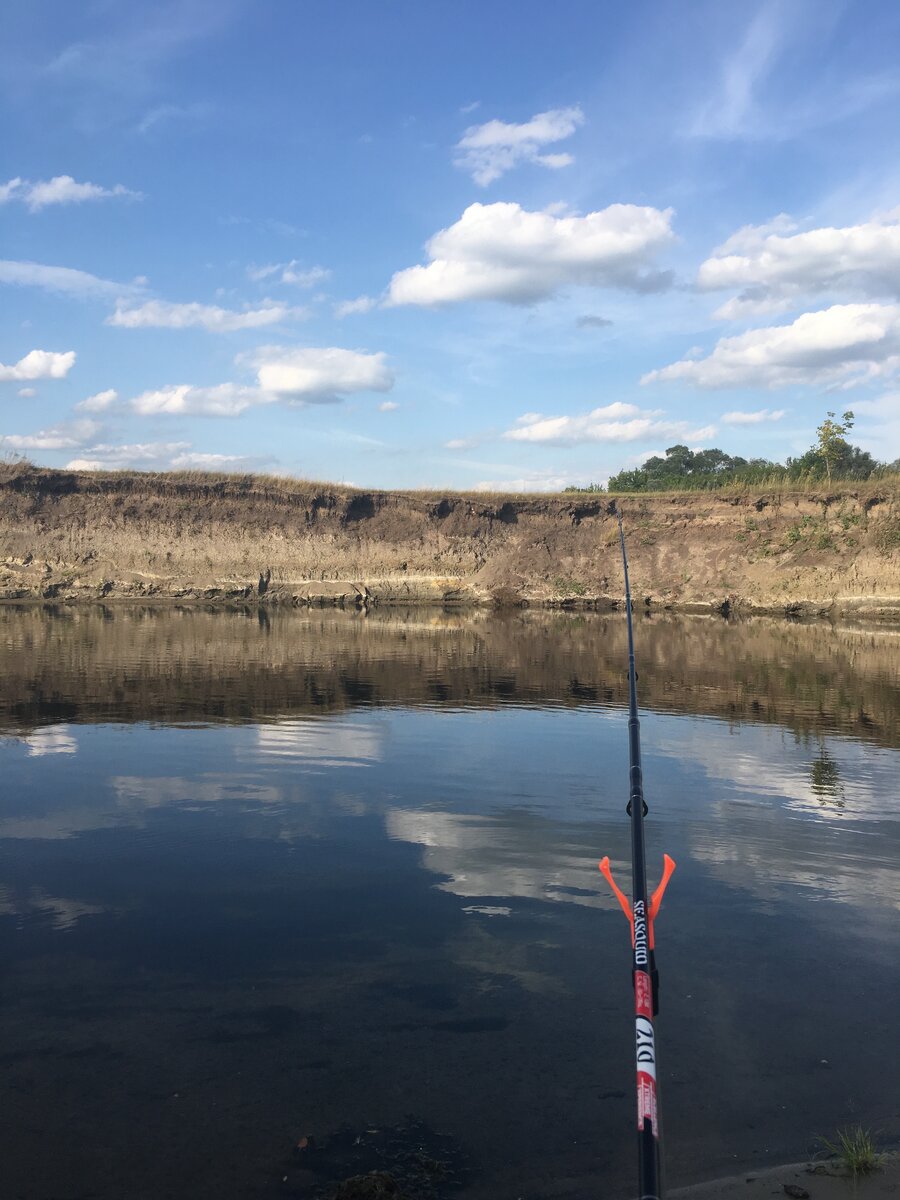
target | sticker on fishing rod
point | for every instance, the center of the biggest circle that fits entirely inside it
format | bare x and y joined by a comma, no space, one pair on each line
645,1047
643,995
646,1098
640,934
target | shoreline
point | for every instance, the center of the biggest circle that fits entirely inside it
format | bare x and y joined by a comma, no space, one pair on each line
459,596
820,1180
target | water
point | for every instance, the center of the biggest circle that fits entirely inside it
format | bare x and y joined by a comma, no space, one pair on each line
266,877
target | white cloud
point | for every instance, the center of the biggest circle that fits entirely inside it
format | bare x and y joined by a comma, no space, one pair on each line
11,190
61,189
223,400
307,278
164,114
490,150
40,364
198,461
731,111
160,456
64,280
841,345
161,314
536,482
388,406
775,266
66,436
99,402
28,392
106,457
617,422
757,97
346,308
315,375
502,252
290,272
753,418
320,374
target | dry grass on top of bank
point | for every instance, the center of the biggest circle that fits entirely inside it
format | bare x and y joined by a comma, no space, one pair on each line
24,476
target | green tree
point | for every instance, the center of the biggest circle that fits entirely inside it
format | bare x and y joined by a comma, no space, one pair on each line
628,481
832,445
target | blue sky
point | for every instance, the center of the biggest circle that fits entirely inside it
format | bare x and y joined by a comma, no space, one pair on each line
397,244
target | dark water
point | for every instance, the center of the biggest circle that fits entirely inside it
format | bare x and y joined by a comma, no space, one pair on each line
334,876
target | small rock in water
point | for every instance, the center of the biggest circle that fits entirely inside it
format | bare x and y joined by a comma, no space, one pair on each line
796,1192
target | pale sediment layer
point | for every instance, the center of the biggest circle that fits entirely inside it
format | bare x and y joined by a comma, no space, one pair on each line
69,535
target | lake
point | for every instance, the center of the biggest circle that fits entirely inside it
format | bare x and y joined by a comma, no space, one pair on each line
291,896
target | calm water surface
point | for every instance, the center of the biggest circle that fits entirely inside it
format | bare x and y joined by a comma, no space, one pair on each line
266,877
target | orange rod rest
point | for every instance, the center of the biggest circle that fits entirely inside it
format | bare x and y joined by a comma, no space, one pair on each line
655,900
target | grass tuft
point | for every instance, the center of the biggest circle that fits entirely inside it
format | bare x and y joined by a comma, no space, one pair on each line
855,1150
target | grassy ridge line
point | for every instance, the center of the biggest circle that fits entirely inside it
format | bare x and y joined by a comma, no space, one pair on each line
271,486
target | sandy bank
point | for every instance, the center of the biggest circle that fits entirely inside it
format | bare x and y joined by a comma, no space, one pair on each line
76,535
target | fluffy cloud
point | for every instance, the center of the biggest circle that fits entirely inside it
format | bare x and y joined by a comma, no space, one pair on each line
40,364
388,406
753,418
615,422
64,280
537,481
488,151
590,321
842,345
223,400
106,457
160,456
347,308
775,266
99,402
319,375
61,189
66,436
502,252
290,272
160,314
316,375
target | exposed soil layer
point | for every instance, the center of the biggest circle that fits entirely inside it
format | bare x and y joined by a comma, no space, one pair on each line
78,535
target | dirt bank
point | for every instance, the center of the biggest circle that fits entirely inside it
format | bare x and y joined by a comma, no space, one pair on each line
70,535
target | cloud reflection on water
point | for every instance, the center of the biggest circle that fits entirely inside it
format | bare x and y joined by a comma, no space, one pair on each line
51,739
321,743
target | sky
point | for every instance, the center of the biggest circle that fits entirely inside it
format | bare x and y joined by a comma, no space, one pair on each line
506,245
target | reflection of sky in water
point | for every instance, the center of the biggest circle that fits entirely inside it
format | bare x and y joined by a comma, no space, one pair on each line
52,739
394,876
321,743
35,904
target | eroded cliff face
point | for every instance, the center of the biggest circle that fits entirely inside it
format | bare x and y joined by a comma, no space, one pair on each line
82,535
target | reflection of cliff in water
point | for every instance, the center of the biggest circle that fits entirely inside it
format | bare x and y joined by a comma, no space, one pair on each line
172,665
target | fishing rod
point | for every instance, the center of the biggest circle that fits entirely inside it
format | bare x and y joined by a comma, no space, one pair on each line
640,916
